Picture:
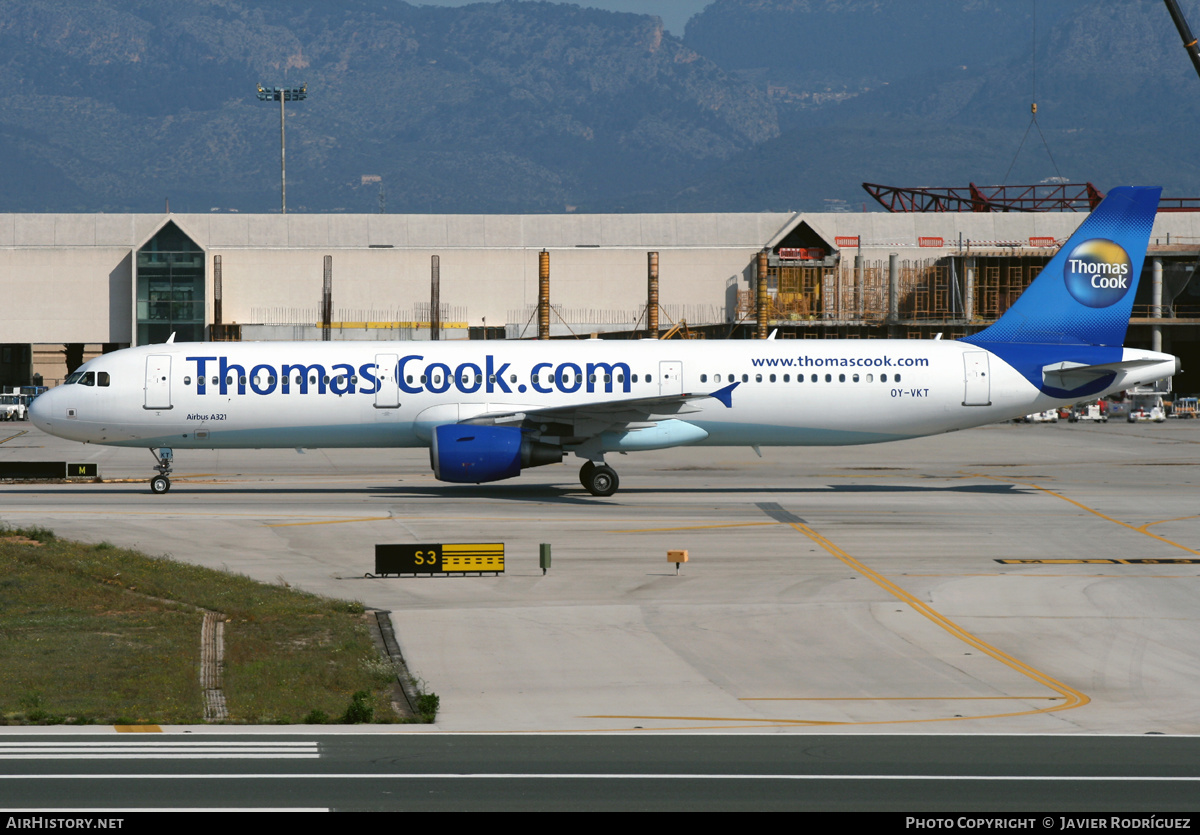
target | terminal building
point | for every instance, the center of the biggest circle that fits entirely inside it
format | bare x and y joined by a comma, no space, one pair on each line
73,285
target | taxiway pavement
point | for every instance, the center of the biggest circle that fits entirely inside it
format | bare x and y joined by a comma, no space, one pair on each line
985,581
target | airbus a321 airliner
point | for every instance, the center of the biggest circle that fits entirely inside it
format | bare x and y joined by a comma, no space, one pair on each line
488,410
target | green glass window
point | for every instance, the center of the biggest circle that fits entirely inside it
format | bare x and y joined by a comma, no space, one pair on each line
170,288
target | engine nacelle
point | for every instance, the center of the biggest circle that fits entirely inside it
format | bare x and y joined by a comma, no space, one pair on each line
467,454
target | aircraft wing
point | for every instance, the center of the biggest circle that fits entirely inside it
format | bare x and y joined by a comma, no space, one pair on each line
592,418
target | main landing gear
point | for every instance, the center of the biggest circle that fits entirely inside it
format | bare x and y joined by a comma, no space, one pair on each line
160,483
598,479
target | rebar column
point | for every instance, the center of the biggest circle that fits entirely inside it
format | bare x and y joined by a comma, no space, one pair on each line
763,296
857,297
652,295
543,295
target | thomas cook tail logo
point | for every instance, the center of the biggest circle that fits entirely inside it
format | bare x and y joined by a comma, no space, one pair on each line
1098,273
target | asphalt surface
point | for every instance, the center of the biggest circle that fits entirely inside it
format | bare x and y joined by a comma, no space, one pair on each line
1027,776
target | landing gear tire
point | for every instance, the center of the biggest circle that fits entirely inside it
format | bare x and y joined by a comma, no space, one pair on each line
160,484
600,479
585,473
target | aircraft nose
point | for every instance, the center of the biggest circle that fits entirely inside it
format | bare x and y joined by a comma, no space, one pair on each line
39,410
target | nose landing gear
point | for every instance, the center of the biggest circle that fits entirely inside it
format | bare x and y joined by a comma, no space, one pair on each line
161,483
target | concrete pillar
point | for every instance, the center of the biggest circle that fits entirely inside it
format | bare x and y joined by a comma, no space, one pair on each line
217,290
969,290
435,297
893,287
327,300
1156,288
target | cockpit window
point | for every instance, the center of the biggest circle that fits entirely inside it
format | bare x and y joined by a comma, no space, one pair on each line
102,378
73,378
89,379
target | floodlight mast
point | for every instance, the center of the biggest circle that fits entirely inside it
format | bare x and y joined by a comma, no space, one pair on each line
282,94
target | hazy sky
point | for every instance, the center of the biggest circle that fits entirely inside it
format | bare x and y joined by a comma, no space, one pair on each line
675,13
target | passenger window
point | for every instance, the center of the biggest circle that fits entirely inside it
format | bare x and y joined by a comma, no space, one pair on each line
229,381
745,378
870,378
772,378
241,381
102,378
841,378
647,378
829,378
354,379
813,378
187,381
512,378
635,378
270,381
408,379
758,378
704,378
313,380
607,378
856,378
591,378
620,378
787,378
896,377
883,378
326,379
424,379
535,379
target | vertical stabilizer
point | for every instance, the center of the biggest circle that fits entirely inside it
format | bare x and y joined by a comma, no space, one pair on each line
1085,294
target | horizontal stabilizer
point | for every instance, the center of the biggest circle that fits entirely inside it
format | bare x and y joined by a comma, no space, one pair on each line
1073,375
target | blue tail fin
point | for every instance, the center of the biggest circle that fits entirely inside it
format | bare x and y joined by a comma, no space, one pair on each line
1085,294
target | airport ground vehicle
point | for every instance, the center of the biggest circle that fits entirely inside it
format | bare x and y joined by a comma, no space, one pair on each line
1146,408
1093,410
1048,416
12,407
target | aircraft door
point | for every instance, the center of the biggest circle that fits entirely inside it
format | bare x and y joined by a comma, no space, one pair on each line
670,377
158,381
978,387
388,395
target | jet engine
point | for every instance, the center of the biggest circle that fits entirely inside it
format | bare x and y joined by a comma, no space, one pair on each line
466,454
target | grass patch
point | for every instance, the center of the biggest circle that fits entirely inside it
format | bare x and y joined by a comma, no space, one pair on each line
101,634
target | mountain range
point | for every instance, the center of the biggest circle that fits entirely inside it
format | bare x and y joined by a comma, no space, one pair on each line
120,105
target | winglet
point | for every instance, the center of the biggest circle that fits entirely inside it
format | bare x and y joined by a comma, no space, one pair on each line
725,395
